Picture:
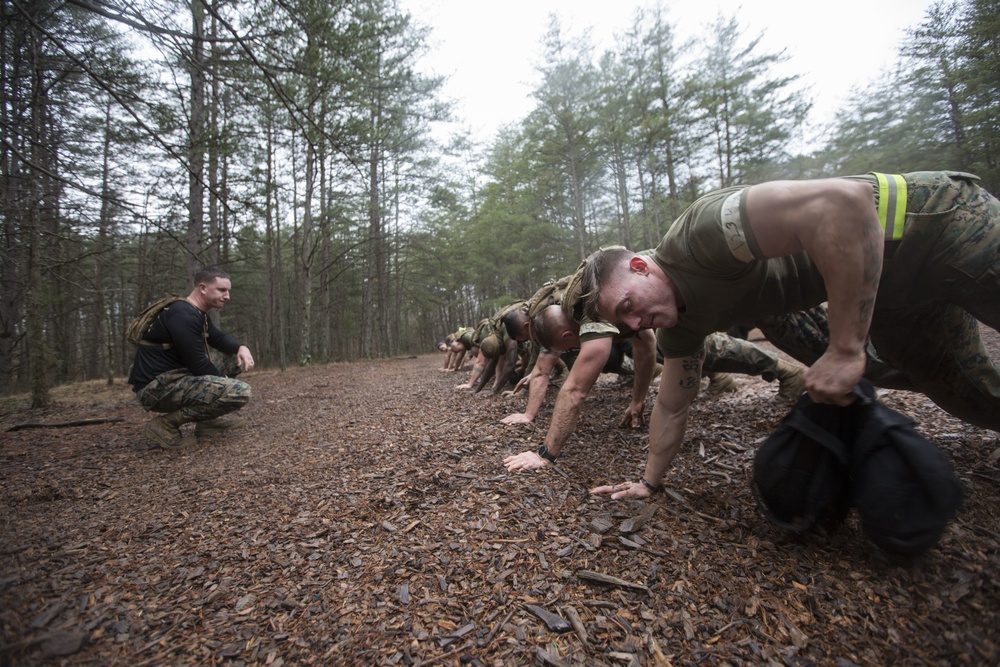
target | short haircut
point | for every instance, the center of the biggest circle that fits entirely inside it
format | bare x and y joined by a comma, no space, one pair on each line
599,268
209,275
516,322
548,325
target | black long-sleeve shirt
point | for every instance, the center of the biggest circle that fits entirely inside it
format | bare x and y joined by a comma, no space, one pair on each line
183,326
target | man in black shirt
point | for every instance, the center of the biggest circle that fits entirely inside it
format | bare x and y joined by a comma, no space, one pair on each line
185,366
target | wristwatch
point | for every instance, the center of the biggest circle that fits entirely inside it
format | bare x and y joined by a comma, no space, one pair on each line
544,452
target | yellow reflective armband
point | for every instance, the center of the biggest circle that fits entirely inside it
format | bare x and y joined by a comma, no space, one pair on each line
891,204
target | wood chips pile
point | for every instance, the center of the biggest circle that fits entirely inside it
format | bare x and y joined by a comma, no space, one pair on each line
363,516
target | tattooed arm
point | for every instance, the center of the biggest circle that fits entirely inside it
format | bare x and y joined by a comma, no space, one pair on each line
835,222
679,385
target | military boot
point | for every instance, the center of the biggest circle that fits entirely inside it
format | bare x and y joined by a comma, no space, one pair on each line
165,431
719,384
217,425
791,381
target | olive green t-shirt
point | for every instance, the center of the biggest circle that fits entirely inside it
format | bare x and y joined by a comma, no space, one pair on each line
710,253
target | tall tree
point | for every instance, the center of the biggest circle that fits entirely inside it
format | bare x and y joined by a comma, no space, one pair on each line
670,137
391,102
980,76
197,126
752,115
615,131
563,128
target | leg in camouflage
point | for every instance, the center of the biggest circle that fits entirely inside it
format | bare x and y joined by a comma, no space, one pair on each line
204,398
726,354
805,335
943,277
942,352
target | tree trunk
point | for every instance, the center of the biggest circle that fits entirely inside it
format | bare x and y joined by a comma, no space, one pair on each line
196,139
104,248
305,270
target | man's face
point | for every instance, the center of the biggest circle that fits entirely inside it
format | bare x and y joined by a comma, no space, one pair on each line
637,296
216,293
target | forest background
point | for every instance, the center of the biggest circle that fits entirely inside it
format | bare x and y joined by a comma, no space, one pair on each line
291,143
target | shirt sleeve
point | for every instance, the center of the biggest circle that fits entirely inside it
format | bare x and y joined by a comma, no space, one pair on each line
590,330
222,341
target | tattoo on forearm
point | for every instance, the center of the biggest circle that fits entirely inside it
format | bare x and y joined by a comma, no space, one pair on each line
687,382
865,310
692,370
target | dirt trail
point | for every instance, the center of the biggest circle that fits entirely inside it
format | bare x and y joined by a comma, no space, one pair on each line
363,516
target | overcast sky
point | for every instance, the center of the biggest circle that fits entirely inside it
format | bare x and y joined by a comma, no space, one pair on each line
489,51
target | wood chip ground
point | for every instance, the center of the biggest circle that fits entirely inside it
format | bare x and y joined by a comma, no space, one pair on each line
363,516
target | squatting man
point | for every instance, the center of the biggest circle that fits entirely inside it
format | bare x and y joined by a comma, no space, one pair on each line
185,367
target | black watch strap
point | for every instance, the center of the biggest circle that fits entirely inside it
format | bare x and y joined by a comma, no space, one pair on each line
544,452
652,489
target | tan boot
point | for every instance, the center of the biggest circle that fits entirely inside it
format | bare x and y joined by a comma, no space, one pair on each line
791,381
165,431
217,425
719,384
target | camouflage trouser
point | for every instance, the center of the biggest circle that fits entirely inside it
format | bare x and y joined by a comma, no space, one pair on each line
941,278
727,354
198,397
805,335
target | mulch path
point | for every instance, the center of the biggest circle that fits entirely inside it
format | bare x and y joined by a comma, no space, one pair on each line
363,516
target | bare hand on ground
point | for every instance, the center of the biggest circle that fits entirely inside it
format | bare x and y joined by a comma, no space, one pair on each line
524,461
516,418
623,490
634,417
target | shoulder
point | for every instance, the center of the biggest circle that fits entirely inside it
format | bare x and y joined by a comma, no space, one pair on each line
710,235
183,311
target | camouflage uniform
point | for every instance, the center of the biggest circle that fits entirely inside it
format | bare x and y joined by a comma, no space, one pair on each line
937,281
465,336
727,354
940,278
198,397
805,335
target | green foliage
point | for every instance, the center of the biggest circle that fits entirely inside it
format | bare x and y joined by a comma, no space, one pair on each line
979,74
348,231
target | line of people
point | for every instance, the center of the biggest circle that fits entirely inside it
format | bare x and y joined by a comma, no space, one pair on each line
886,276
550,328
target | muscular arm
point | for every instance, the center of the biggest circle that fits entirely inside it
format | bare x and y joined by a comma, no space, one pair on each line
678,388
477,369
586,369
489,369
679,385
506,366
835,222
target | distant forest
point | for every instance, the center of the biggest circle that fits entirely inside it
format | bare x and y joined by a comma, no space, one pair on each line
290,143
